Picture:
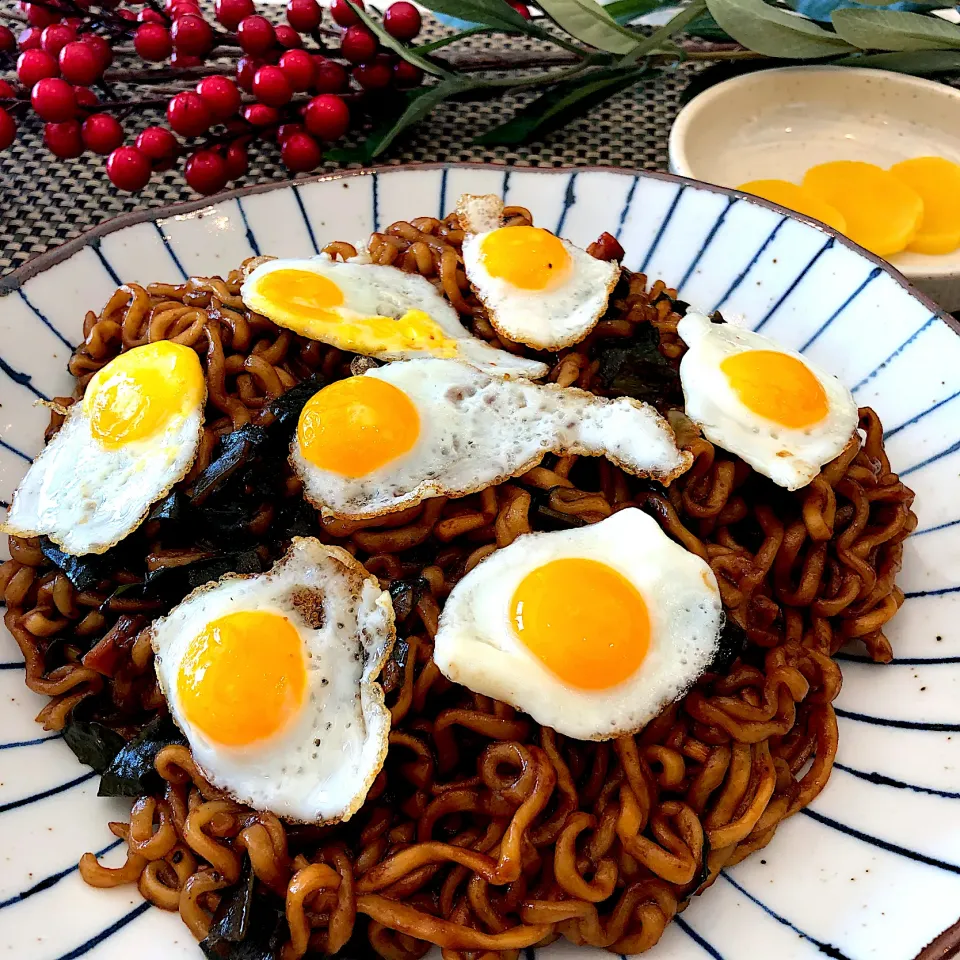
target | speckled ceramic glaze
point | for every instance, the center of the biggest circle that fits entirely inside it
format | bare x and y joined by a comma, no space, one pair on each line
872,868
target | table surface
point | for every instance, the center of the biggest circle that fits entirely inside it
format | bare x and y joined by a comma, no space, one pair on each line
45,201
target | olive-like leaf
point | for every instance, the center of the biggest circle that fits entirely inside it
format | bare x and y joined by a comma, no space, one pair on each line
418,104
625,11
401,49
587,21
895,30
774,32
660,40
562,102
918,62
488,13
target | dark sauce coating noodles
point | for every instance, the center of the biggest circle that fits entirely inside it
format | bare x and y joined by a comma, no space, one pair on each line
485,833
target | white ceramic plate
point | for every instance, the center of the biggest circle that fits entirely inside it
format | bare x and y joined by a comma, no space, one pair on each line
779,123
872,868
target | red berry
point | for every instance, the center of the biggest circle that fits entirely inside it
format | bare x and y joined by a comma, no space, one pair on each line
297,66
329,76
342,14
29,39
271,86
304,15
63,139
152,41
178,59
159,145
75,23
8,41
79,63
231,12
85,97
53,100
256,34
6,91
147,15
100,47
55,37
126,15
286,130
358,44
287,37
521,8
373,76
128,168
188,115
8,129
102,133
402,20
221,96
236,160
206,171
300,152
406,74
34,65
246,70
260,115
183,8
192,35
327,116
38,16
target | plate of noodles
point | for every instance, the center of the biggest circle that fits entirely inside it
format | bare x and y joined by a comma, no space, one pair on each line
499,560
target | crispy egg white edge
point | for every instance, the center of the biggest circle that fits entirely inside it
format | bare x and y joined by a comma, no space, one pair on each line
480,215
475,638
21,522
425,297
373,703
430,380
532,317
710,402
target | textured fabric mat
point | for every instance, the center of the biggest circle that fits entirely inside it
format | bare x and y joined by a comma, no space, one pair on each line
45,201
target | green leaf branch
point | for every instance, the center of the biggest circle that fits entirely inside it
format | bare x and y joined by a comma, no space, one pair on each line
584,54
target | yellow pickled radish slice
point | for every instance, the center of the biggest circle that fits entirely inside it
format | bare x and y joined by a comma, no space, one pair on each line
792,197
883,213
938,182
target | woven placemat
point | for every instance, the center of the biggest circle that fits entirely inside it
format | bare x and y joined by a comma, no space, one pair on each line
45,201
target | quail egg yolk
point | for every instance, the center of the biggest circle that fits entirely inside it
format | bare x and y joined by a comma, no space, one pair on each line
777,387
314,305
354,426
525,257
136,394
938,182
792,197
243,677
583,620
882,212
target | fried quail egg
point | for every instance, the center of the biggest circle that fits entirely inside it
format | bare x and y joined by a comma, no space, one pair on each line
772,407
400,433
375,310
592,631
538,289
272,678
122,447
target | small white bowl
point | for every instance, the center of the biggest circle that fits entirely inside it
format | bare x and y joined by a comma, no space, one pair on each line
779,123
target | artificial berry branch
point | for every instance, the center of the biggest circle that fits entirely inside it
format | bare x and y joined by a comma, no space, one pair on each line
303,82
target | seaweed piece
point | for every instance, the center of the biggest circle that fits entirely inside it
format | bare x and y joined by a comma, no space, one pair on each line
83,572
551,519
636,368
679,307
733,642
93,743
246,927
405,595
131,772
